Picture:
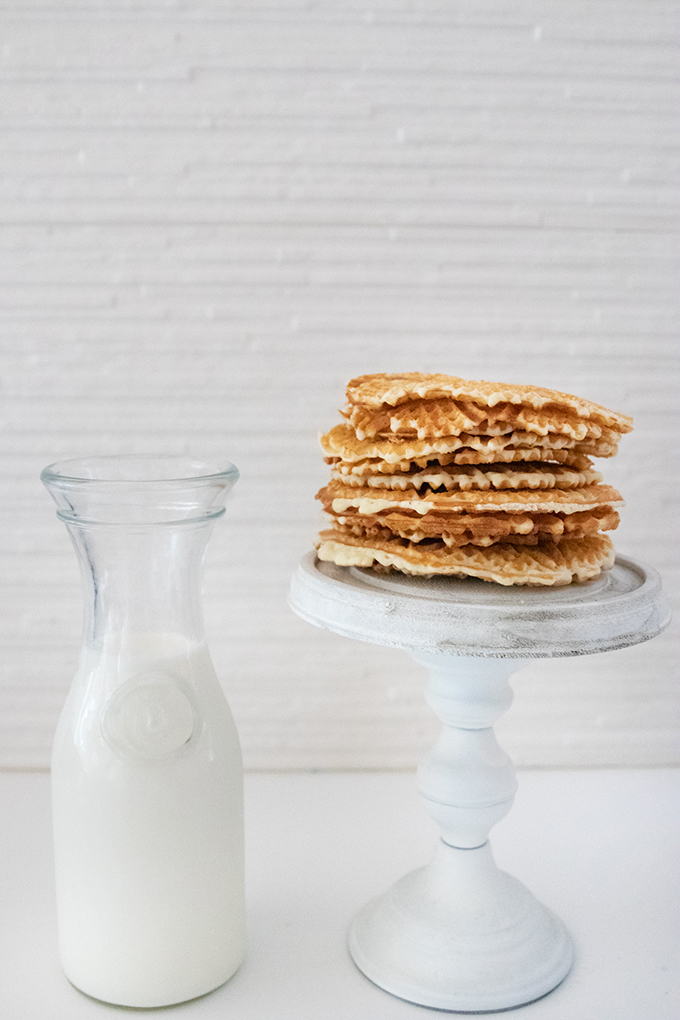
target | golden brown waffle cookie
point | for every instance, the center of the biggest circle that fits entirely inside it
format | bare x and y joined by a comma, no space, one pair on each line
374,391
364,468
568,457
546,563
432,419
477,529
452,541
483,477
337,498
460,536
342,442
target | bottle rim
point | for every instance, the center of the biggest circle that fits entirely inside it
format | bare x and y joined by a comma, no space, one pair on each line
138,490
109,469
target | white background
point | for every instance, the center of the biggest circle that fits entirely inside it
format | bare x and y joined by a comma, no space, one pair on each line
216,214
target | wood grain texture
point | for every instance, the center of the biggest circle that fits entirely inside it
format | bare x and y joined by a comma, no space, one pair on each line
214,215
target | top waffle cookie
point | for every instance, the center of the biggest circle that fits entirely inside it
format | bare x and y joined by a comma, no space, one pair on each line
379,391
433,474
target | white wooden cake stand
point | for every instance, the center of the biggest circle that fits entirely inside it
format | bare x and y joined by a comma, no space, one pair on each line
459,934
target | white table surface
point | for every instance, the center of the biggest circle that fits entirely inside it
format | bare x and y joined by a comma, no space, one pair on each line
600,847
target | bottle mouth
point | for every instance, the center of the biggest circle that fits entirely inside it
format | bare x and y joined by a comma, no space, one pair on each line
138,489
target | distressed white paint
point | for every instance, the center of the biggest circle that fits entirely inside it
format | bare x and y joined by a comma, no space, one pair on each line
458,933
216,214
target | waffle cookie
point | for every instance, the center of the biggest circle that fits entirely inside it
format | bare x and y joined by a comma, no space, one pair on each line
545,563
473,476
342,444
375,391
433,474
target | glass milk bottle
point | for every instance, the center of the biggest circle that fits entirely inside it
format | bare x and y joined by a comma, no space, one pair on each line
146,768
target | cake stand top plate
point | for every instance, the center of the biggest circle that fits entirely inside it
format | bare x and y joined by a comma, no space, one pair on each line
466,616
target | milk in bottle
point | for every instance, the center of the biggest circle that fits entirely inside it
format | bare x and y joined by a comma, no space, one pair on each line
146,766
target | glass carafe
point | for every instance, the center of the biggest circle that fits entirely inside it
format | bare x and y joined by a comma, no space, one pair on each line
146,768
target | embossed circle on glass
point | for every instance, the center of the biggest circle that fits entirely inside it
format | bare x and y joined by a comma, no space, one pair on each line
149,717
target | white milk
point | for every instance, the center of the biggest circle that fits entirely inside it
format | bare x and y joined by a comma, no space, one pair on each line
148,825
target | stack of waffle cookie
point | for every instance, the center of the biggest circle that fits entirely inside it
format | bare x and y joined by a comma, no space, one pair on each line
432,474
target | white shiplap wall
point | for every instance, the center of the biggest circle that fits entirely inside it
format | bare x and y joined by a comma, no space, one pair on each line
215,214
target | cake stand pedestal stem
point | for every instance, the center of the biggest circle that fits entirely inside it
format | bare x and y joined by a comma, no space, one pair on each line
459,934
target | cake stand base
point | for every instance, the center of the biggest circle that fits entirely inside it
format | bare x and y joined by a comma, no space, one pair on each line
461,935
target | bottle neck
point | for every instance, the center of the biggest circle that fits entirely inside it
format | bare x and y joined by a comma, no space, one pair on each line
141,583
